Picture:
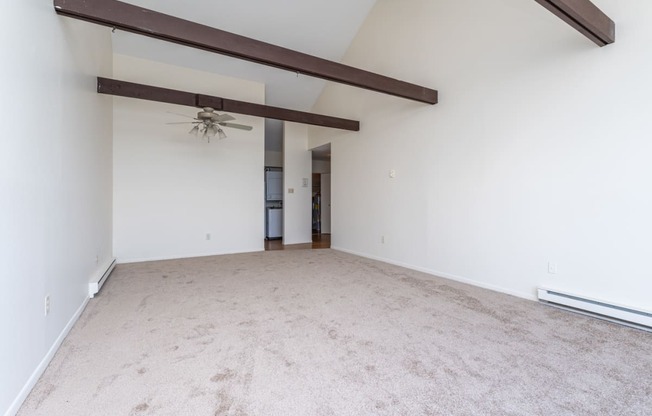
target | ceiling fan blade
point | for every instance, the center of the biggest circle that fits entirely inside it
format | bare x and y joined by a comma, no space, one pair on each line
219,118
236,126
185,122
182,115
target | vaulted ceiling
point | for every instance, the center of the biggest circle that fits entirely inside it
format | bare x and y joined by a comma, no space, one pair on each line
317,27
314,27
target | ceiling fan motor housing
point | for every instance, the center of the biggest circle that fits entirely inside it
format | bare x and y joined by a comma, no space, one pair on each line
206,114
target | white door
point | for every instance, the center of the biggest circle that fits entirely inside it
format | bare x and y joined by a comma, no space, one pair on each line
326,203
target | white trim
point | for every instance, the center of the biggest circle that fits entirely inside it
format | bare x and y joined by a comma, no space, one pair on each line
295,244
40,369
448,276
191,256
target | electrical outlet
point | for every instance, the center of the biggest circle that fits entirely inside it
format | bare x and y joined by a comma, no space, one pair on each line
552,267
290,190
392,173
47,305
208,236
305,182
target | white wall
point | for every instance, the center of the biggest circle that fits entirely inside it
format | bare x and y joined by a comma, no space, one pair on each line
321,166
55,183
273,159
172,189
297,206
538,151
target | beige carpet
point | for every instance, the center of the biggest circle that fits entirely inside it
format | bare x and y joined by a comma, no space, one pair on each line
326,333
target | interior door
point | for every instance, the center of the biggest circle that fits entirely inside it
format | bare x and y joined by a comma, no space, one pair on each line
326,203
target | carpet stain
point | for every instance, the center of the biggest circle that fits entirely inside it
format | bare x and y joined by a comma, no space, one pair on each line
417,368
142,370
140,408
222,376
197,392
201,331
47,390
207,341
225,402
143,303
104,383
91,314
185,357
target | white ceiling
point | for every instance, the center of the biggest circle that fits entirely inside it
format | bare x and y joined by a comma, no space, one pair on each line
323,28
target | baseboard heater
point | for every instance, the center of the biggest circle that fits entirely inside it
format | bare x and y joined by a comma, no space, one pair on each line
599,309
95,286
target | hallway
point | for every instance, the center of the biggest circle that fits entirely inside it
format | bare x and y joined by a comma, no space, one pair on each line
319,241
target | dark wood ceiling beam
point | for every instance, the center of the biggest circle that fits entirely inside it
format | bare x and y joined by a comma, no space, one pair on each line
173,29
165,95
585,17
145,92
277,113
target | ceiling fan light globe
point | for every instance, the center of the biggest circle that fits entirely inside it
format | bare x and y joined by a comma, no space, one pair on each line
221,134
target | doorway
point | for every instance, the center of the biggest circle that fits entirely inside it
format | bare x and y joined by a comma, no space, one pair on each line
273,199
321,195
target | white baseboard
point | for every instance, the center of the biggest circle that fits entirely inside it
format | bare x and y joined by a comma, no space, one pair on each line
295,244
528,296
180,257
40,369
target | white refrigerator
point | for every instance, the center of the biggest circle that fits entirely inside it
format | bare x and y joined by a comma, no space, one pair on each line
274,203
274,222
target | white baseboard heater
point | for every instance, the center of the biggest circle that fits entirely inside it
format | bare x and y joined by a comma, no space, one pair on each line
599,309
95,285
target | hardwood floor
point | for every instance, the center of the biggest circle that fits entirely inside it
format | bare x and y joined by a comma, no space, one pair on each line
318,241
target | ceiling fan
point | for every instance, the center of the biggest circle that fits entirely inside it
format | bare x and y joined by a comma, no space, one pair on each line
209,123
